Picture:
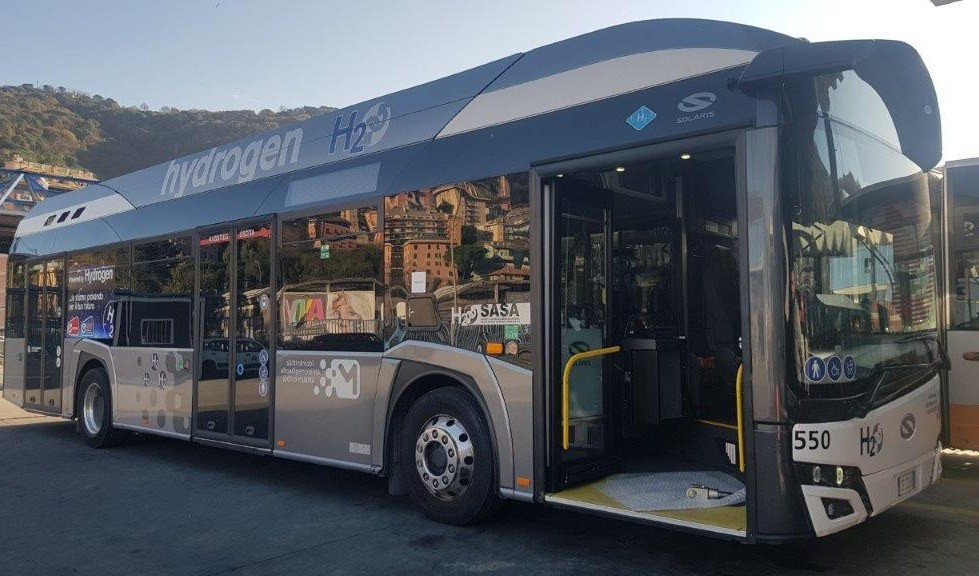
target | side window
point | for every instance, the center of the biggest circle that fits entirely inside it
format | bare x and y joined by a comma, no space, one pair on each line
96,280
161,305
330,281
466,244
965,269
15,300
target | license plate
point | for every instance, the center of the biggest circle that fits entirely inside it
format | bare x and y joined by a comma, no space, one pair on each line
906,483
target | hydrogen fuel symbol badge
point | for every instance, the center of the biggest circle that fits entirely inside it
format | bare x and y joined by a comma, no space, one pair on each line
641,118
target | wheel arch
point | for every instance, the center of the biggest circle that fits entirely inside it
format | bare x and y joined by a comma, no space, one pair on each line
89,354
415,378
86,362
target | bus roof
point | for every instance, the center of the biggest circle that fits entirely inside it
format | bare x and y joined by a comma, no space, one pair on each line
517,107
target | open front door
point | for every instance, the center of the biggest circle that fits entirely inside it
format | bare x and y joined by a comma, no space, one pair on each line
582,325
644,341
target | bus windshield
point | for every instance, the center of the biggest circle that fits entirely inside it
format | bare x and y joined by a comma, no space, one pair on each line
862,279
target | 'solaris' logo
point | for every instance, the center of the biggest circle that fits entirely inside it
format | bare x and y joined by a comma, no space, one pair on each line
908,426
697,102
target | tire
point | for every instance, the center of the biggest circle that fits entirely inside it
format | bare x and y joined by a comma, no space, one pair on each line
95,411
447,444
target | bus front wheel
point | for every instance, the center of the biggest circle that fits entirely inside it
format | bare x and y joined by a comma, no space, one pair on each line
95,413
448,458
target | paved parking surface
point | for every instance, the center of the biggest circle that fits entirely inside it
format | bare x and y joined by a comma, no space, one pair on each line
157,506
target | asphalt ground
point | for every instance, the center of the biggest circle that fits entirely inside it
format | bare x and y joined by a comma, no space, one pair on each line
159,506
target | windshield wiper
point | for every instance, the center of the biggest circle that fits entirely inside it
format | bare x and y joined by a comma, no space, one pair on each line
918,338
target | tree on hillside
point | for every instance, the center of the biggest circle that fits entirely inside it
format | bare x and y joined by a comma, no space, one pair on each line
74,129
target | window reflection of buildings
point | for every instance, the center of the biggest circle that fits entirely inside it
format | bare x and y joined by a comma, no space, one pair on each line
471,240
331,281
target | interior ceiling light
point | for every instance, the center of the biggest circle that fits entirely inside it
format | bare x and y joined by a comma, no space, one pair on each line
684,156
620,169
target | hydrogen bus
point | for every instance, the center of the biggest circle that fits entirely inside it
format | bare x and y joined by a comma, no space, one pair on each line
680,272
961,209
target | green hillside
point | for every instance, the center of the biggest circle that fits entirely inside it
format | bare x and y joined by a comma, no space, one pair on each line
77,130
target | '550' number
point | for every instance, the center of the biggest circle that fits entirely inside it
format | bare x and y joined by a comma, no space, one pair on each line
811,439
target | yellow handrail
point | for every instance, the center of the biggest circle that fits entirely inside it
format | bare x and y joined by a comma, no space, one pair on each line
566,399
566,387
737,391
740,427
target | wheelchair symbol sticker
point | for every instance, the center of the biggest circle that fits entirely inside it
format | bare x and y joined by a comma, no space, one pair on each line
834,368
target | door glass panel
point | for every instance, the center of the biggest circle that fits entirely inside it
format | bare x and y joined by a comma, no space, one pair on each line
15,302
215,306
253,332
53,334
33,369
582,314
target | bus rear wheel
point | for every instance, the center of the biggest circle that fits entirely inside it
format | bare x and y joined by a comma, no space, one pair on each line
95,413
448,458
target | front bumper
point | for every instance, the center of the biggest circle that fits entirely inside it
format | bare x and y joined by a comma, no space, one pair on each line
893,453
883,491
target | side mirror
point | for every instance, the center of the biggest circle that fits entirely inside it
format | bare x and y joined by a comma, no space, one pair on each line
422,313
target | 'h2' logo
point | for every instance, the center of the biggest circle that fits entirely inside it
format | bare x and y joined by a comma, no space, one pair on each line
871,441
356,134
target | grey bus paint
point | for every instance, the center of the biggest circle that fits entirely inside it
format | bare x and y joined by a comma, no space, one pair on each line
320,391
13,371
147,396
153,389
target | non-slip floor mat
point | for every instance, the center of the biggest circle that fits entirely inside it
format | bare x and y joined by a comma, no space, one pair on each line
643,492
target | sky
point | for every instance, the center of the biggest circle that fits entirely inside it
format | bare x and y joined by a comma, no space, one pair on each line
234,54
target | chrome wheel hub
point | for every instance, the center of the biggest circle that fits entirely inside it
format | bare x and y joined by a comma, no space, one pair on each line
93,410
444,457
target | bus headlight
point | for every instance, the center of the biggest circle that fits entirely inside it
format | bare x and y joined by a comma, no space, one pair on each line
833,477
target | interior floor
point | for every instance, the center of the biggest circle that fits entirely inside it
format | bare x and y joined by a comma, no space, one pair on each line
731,519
